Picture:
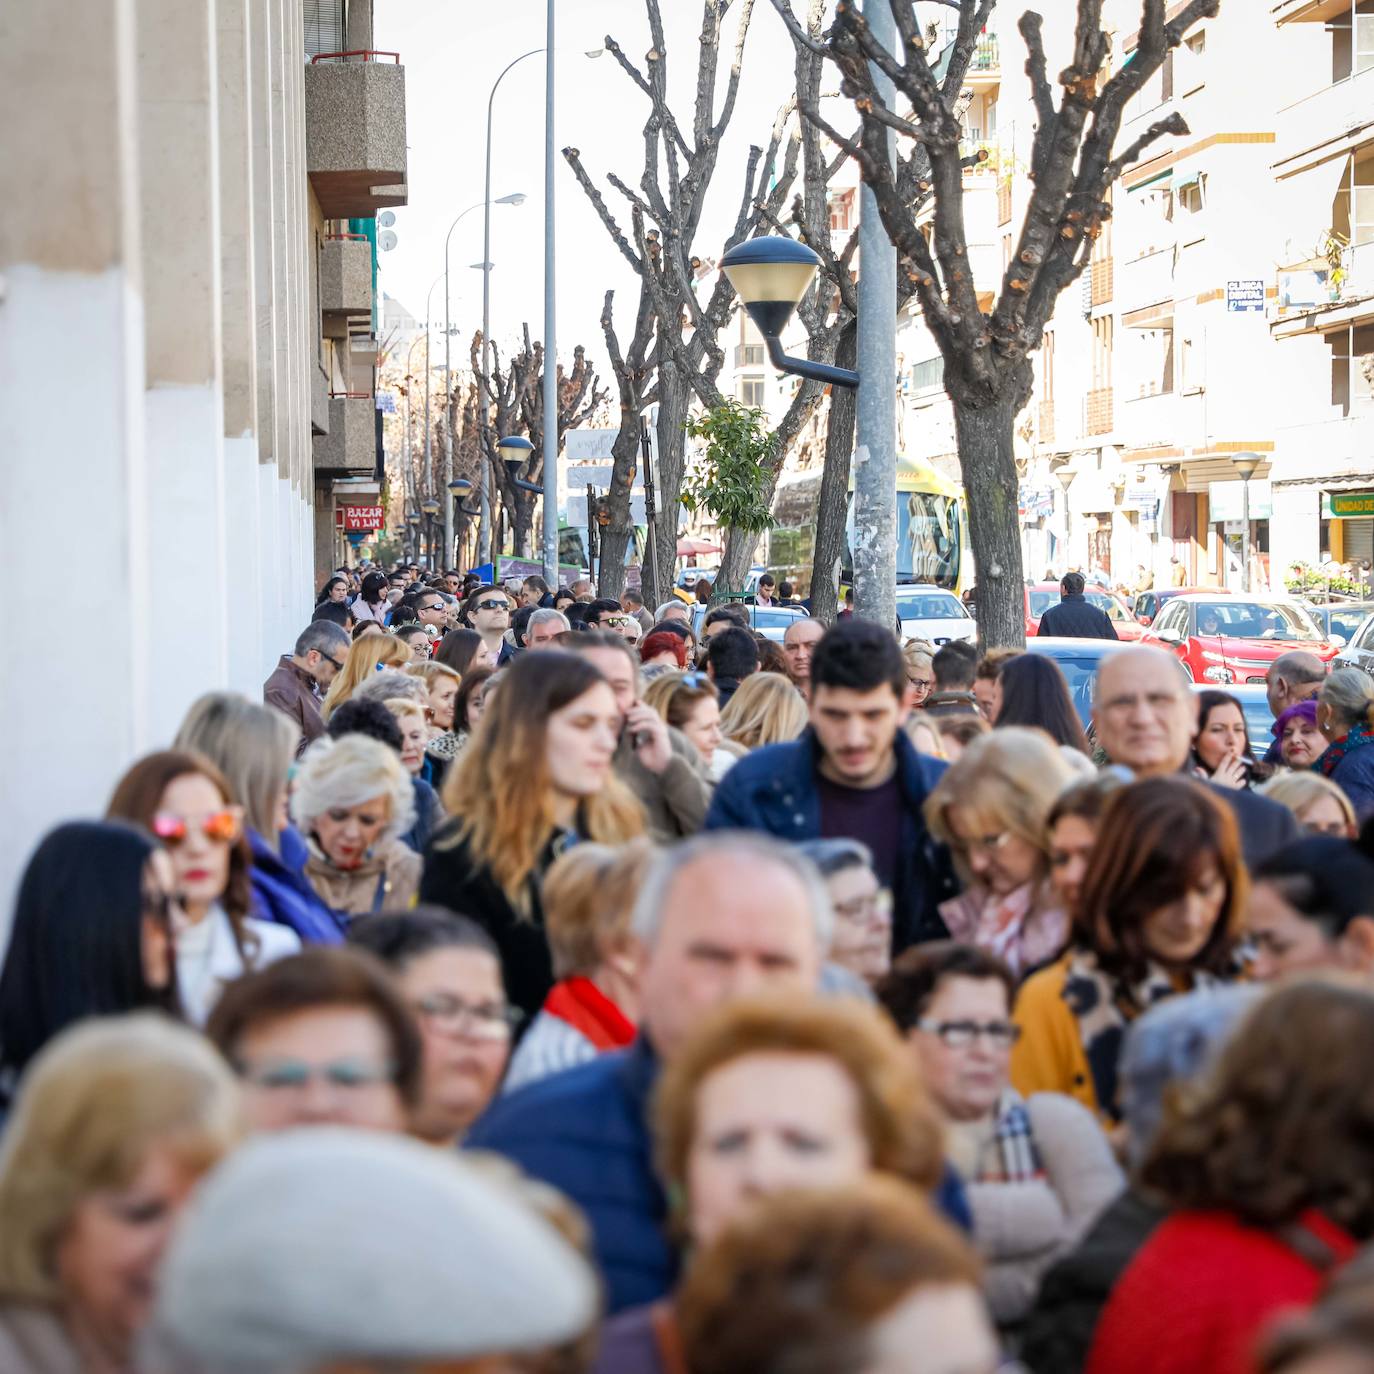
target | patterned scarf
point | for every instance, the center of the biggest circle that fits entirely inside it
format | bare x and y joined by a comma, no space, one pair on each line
1011,1156
1359,736
1104,1008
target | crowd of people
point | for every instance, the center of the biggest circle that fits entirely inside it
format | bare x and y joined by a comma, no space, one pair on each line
542,983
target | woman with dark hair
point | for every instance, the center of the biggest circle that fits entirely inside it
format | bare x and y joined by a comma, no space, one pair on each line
1221,747
371,602
91,936
1030,690
457,650
1073,824
1266,1165
335,590
536,774
1160,913
186,802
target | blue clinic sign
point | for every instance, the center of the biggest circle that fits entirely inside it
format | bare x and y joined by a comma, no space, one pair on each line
1245,296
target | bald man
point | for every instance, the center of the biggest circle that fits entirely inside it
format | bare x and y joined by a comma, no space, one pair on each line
1292,677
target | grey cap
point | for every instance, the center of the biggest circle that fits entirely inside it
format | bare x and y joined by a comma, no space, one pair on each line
326,1244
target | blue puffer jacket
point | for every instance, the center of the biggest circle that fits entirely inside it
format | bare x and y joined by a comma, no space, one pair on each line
282,893
586,1132
774,790
1354,775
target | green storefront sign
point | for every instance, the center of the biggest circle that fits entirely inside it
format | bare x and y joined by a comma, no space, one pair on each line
1350,505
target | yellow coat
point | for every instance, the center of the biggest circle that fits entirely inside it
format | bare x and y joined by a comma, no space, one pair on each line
1049,1057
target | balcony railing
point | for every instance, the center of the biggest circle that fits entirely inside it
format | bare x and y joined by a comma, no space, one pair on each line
355,132
1102,274
1097,411
346,275
748,355
1046,422
986,57
1004,202
1146,281
350,446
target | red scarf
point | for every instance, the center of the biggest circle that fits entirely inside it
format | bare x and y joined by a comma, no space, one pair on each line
583,1005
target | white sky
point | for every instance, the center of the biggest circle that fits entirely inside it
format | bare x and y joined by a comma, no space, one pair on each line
452,51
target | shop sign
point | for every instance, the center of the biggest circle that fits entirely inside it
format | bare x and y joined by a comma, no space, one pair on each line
1226,501
1244,296
1351,505
362,517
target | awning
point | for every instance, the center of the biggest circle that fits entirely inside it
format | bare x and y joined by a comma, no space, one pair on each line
1308,201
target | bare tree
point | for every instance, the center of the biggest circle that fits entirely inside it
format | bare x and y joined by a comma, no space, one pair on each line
986,355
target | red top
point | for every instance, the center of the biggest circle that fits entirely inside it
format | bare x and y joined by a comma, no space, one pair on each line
1202,1290
583,1005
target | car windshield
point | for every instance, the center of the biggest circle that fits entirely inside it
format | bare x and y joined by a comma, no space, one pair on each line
1346,623
1107,603
1255,620
930,606
1078,673
1040,602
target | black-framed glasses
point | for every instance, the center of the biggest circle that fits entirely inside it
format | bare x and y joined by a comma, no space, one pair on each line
959,1035
491,606
329,658
435,606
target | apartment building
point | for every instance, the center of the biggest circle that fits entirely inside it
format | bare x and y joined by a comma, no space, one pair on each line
187,278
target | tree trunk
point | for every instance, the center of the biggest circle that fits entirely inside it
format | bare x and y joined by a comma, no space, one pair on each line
615,537
673,398
984,434
833,506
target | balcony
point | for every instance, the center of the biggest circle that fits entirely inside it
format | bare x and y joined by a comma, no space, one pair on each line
1305,11
1328,116
1164,419
346,275
985,70
1004,202
1146,288
1097,411
748,355
1103,274
355,132
351,445
1046,422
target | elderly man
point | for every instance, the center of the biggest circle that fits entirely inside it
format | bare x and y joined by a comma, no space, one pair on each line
302,677
1145,717
543,629
1292,677
673,610
798,641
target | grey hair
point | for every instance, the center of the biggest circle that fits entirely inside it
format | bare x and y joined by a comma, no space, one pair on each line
347,772
322,636
390,684
751,847
1349,693
835,856
673,605
546,615
1298,668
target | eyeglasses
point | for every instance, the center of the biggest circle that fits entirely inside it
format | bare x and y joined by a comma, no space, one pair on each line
223,827
959,1035
983,844
874,906
433,606
338,667
480,1021
492,606
294,1075
695,680
615,621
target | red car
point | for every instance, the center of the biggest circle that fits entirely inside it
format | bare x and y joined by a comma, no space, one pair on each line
1234,638
1040,596
1149,604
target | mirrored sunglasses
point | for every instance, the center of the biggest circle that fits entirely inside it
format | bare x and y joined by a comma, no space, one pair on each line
220,826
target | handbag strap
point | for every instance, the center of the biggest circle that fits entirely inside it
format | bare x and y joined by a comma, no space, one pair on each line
668,1338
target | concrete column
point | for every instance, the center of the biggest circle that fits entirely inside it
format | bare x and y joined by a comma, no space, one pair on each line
184,416
71,431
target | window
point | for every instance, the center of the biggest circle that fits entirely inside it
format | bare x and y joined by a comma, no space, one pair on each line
1191,74
1352,369
751,393
1192,369
1102,352
1156,353
1047,367
928,375
1191,196
1352,40
1352,216
842,211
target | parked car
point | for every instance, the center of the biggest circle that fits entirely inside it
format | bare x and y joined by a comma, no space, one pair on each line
1148,605
929,612
770,621
1342,620
1254,706
1359,649
1040,596
1078,660
1226,639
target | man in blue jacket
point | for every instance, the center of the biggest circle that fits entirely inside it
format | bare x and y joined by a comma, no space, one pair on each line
853,775
719,917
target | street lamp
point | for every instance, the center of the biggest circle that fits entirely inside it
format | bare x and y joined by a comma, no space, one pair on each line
515,451
413,522
457,487
770,275
431,508
1066,476
1246,464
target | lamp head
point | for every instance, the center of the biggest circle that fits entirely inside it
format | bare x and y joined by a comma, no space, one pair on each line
514,450
459,484
1246,463
515,198
770,275
430,506
412,517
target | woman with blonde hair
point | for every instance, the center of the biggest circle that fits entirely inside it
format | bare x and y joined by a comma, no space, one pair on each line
991,807
766,709
116,1121
353,801
690,703
364,658
443,684
536,774
1321,807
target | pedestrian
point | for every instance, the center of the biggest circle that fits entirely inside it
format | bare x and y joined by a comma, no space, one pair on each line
657,762
487,610
690,704
336,613
985,677
764,596
862,943
661,652
371,603
732,654
562,599
1319,806
955,665
1160,912
634,605
534,591
367,627
1291,678
461,649
365,656
863,1278
799,641
91,935
589,896
854,774
1264,1208
771,1074
302,677
543,628
417,640
185,801
1075,617
1038,1171
766,709
536,776
1072,826
1298,742
1178,574
1030,690
702,592
254,747
321,1037
1221,746
459,1273
114,1126
334,592
1336,1335
448,970
673,609
353,801
441,688
956,730
1345,716
765,919
1146,717
920,673
992,809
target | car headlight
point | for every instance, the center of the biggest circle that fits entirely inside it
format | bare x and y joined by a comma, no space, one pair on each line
1218,675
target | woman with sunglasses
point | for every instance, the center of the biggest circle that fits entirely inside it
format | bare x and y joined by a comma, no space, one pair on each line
186,802
690,703
90,936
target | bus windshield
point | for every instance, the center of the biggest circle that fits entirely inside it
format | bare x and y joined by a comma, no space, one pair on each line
929,545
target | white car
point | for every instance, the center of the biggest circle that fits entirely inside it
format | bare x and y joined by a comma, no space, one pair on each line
928,612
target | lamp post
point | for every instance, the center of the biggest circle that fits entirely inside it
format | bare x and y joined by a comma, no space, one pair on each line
429,302
1066,481
431,509
413,523
515,198
1246,463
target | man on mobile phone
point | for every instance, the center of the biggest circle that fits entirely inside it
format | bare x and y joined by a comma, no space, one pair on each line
659,764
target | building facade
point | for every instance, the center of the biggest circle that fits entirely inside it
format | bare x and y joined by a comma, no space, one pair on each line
185,269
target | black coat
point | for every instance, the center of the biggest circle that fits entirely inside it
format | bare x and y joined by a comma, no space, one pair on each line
1265,826
1077,618
453,879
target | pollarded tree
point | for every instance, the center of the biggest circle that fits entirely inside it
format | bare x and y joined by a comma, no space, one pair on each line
987,354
